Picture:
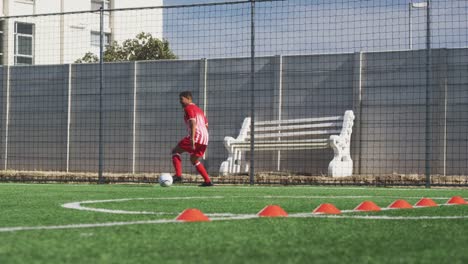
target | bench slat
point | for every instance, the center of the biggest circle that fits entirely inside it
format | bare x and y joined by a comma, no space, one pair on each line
277,148
315,140
300,120
282,145
296,134
298,127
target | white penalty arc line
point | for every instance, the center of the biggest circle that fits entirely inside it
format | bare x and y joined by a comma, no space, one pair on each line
214,216
80,206
231,216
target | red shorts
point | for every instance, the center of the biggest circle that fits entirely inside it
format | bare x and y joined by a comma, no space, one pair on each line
186,144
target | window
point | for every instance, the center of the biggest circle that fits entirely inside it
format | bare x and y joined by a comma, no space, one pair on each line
96,37
96,4
24,43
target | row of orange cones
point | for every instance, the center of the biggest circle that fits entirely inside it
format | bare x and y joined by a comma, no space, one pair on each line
195,215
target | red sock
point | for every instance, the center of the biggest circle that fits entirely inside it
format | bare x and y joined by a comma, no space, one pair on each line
201,169
177,162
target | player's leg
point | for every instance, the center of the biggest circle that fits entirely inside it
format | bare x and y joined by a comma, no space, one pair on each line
194,158
177,159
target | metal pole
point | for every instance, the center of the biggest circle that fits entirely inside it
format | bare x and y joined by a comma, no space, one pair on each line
101,84
445,123
7,118
280,105
428,93
252,91
135,71
409,25
69,114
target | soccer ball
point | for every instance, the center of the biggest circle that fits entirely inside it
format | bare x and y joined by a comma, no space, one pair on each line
165,180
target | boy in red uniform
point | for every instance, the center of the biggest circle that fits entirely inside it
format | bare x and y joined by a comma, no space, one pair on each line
195,142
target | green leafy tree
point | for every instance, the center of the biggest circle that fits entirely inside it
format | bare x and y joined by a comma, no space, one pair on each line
89,57
143,47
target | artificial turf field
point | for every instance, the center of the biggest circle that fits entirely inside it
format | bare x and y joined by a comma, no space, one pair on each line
135,224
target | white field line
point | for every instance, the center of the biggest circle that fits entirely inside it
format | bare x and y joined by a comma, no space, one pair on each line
344,197
381,217
255,187
79,205
236,217
74,226
334,188
217,217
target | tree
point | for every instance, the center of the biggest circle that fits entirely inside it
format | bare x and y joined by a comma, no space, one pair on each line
143,47
89,57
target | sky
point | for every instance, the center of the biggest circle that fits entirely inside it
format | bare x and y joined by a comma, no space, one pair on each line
310,27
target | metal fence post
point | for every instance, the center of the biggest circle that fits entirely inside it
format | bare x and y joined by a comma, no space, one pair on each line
69,114
7,118
134,126
252,92
101,84
428,93
278,97
357,108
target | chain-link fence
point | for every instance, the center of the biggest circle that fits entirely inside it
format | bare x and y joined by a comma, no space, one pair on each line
295,91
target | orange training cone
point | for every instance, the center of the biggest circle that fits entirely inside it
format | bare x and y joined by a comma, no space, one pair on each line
192,215
367,206
326,208
426,202
272,211
457,200
400,204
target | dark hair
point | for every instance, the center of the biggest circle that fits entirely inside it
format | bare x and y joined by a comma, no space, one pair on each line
186,94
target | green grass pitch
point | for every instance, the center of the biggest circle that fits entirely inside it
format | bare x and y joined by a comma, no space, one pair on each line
135,224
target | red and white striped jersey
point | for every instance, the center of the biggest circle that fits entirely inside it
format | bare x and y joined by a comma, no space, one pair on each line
193,112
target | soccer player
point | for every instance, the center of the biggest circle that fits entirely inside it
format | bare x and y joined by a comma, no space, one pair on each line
195,142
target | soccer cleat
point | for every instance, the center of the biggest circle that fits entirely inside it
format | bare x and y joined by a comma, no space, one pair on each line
206,184
176,178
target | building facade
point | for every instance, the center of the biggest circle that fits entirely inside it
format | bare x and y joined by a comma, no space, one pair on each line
29,37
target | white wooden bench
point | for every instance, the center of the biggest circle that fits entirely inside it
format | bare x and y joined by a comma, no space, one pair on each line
294,134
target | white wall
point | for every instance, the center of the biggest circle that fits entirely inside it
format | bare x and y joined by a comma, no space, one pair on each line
127,24
18,8
14,8
64,39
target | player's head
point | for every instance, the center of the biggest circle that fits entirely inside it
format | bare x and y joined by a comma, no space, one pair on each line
185,98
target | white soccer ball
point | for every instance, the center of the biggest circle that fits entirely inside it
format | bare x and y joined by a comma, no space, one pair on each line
165,180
